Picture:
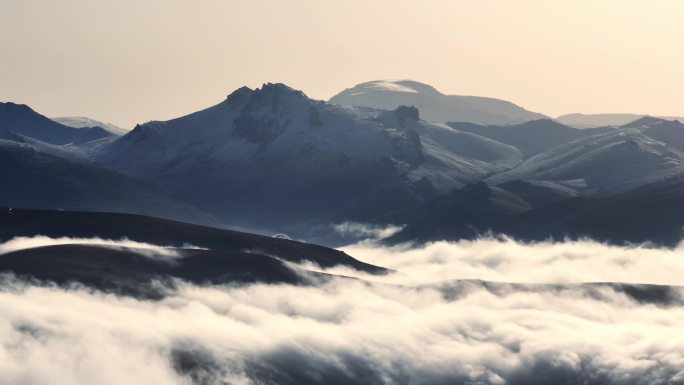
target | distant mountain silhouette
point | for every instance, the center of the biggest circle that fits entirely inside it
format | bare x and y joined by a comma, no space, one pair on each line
530,137
435,106
19,119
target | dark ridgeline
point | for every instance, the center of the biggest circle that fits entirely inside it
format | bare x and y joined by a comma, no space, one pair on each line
206,255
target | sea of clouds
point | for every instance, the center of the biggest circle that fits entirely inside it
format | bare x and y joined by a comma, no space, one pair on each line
416,325
507,260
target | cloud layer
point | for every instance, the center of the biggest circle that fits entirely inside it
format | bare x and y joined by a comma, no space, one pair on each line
507,260
342,332
408,330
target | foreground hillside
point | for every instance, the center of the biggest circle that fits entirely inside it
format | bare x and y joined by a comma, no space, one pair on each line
74,224
20,120
127,254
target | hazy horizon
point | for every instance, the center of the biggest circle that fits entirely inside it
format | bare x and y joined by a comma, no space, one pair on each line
130,62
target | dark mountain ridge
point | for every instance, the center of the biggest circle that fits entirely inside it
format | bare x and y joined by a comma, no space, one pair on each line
20,119
115,226
650,214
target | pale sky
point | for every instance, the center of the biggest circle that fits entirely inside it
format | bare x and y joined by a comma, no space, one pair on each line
131,61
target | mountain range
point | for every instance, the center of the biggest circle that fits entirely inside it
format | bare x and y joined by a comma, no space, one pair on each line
603,120
383,153
272,156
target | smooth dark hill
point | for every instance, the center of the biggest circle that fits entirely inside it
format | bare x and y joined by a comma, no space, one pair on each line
126,271
193,254
17,222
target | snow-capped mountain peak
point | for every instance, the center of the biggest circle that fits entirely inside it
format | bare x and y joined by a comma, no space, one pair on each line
273,147
85,122
434,105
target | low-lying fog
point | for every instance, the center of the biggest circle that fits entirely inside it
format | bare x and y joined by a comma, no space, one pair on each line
414,326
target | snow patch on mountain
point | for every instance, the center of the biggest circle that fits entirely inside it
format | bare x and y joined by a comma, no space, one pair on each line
85,122
394,86
606,164
434,106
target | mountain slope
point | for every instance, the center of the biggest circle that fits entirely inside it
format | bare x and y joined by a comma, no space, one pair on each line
434,106
530,137
652,213
669,132
38,176
601,164
21,120
274,157
540,193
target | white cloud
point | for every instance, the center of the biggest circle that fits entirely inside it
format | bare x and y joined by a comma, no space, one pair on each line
146,249
507,260
364,230
345,331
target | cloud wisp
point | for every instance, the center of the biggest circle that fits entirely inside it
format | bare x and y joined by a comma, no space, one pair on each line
365,231
142,248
